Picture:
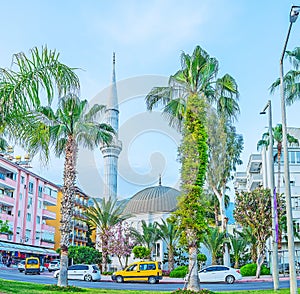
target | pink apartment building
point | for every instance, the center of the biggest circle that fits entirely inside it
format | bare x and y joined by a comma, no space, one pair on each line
24,198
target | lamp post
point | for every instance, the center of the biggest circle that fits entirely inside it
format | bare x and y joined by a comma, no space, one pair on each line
289,216
271,186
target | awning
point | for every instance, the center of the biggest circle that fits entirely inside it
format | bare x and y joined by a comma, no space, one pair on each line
26,248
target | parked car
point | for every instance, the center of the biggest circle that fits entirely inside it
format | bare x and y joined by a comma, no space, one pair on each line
21,266
54,265
218,273
140,271
86,272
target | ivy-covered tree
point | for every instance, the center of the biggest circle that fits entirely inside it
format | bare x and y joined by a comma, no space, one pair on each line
253,209
185,100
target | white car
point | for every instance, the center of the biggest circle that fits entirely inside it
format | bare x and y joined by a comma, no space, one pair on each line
21,266
54,265
84,272
219,273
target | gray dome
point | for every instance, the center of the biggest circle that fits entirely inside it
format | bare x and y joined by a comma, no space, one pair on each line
153,199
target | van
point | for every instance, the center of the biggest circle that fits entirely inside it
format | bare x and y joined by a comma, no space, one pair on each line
32,265
149,271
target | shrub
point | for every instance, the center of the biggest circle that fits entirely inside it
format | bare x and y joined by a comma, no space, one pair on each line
184,291
250,270
141,252
107,273
179,272
165,273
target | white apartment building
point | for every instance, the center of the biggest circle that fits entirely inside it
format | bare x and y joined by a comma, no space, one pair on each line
256,175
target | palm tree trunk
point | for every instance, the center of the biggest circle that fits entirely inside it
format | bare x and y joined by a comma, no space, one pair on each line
171,258
67,208
193,279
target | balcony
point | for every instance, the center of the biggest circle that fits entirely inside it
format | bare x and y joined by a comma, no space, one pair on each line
48,214
254,164
46,228
7,200
5,216
7,181
48,200
47,243
254,181
81,227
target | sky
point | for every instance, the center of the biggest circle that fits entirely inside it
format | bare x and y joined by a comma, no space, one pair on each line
246,37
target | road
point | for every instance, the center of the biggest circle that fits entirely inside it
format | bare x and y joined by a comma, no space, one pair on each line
165,285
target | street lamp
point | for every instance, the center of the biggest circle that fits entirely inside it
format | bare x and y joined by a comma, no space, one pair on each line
271,186
289,216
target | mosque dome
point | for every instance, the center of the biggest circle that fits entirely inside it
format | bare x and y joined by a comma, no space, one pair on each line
153,199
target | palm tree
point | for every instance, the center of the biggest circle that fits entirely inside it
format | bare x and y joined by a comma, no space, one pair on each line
277,136
170,234
238,246
291,78
70,126
101,217
251,241
185,101
213,241
40,74
148,236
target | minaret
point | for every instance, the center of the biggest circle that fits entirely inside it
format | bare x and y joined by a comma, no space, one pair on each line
111,152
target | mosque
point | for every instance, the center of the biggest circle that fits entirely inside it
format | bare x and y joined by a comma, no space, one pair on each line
150,204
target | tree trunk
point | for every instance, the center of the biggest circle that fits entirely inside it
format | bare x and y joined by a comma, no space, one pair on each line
224,219
193,280
259,262
104,255
171,259
67,207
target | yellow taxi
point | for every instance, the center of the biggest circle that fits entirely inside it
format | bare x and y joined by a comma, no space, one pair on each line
32,265
149,271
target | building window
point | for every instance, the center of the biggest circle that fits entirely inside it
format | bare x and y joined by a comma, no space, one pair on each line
296,203
28,217
20,196
157,249
38,219
39,204
11,176
30,188
19,213
22,180
40,193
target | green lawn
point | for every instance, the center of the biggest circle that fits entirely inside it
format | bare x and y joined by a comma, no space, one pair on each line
30,288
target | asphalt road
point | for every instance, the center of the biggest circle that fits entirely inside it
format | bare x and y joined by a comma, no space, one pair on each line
167,285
